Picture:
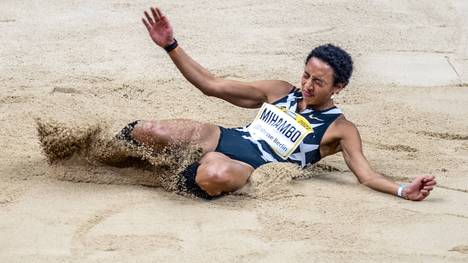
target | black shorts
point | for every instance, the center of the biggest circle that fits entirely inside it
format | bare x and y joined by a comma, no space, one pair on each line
232,144
235,146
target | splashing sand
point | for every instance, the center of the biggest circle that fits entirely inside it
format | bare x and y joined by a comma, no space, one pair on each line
275,180
272,179
90,153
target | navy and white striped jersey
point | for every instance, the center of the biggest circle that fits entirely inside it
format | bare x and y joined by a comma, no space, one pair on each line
238,143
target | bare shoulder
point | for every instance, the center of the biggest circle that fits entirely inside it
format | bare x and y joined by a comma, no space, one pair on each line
273,89
344,129
344,124
341,131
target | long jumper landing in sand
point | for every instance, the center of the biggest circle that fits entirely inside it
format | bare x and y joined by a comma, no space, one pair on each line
293,125
296,125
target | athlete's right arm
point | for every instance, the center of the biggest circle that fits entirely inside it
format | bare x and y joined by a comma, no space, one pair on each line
239,93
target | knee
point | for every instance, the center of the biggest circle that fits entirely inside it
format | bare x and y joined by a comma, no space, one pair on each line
214,179
149,132
218,175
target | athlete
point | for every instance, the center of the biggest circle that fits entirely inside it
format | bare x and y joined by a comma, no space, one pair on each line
230,155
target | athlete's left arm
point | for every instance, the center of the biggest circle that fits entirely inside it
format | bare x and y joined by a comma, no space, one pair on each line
351,146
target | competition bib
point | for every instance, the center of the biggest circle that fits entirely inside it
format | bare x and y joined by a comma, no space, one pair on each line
282,129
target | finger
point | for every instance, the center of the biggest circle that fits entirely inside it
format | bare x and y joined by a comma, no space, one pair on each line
429,178
424,192
146,24
156,16
158,11
431,183
164,22
428,188
150,20
423,196
419,197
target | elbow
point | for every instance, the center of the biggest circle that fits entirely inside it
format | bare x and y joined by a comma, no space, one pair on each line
210,88
210,93
365,182
369,179
207,92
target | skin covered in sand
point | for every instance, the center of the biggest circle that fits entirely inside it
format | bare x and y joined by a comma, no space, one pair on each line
317,86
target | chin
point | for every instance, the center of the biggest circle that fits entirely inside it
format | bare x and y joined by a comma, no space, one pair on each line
309,100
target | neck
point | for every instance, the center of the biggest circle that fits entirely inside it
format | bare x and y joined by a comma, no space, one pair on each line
303,105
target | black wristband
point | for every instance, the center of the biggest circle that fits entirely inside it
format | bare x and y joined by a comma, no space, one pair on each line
172,46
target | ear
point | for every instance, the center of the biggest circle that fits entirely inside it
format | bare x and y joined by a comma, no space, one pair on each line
338,87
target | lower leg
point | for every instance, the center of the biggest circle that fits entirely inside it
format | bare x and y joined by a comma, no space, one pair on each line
179,132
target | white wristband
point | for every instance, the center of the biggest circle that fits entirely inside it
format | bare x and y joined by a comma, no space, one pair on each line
400,190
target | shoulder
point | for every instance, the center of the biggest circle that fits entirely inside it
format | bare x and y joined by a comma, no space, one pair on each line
344,129
344,134
343,124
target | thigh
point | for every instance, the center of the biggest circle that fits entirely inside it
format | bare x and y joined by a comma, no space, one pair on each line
178,132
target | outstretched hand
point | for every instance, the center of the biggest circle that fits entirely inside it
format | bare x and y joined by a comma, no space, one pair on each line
420,188
158,27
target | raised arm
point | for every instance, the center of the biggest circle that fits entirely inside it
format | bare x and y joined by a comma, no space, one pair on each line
351,147
239,93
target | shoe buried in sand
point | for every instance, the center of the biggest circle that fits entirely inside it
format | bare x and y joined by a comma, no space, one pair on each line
126,134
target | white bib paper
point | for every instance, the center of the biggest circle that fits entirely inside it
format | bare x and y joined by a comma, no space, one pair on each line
281,129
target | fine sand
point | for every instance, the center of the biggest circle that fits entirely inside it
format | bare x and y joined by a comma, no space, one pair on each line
73,73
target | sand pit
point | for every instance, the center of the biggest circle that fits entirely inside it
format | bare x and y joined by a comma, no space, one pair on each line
410,69
91,68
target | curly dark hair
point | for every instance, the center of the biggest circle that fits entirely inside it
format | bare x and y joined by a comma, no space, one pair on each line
337,58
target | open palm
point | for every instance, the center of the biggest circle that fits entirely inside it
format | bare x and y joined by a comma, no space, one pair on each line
158,27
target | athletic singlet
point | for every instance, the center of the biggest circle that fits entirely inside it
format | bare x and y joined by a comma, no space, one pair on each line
238,144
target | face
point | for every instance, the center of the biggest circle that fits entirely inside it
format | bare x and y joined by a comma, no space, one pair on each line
317,84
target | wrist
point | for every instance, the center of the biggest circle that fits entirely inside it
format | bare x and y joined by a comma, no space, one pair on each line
171,46
401,192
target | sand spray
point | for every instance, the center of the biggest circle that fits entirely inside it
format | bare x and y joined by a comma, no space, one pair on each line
90,153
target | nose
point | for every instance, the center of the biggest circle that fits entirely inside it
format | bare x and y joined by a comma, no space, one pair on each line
308,84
